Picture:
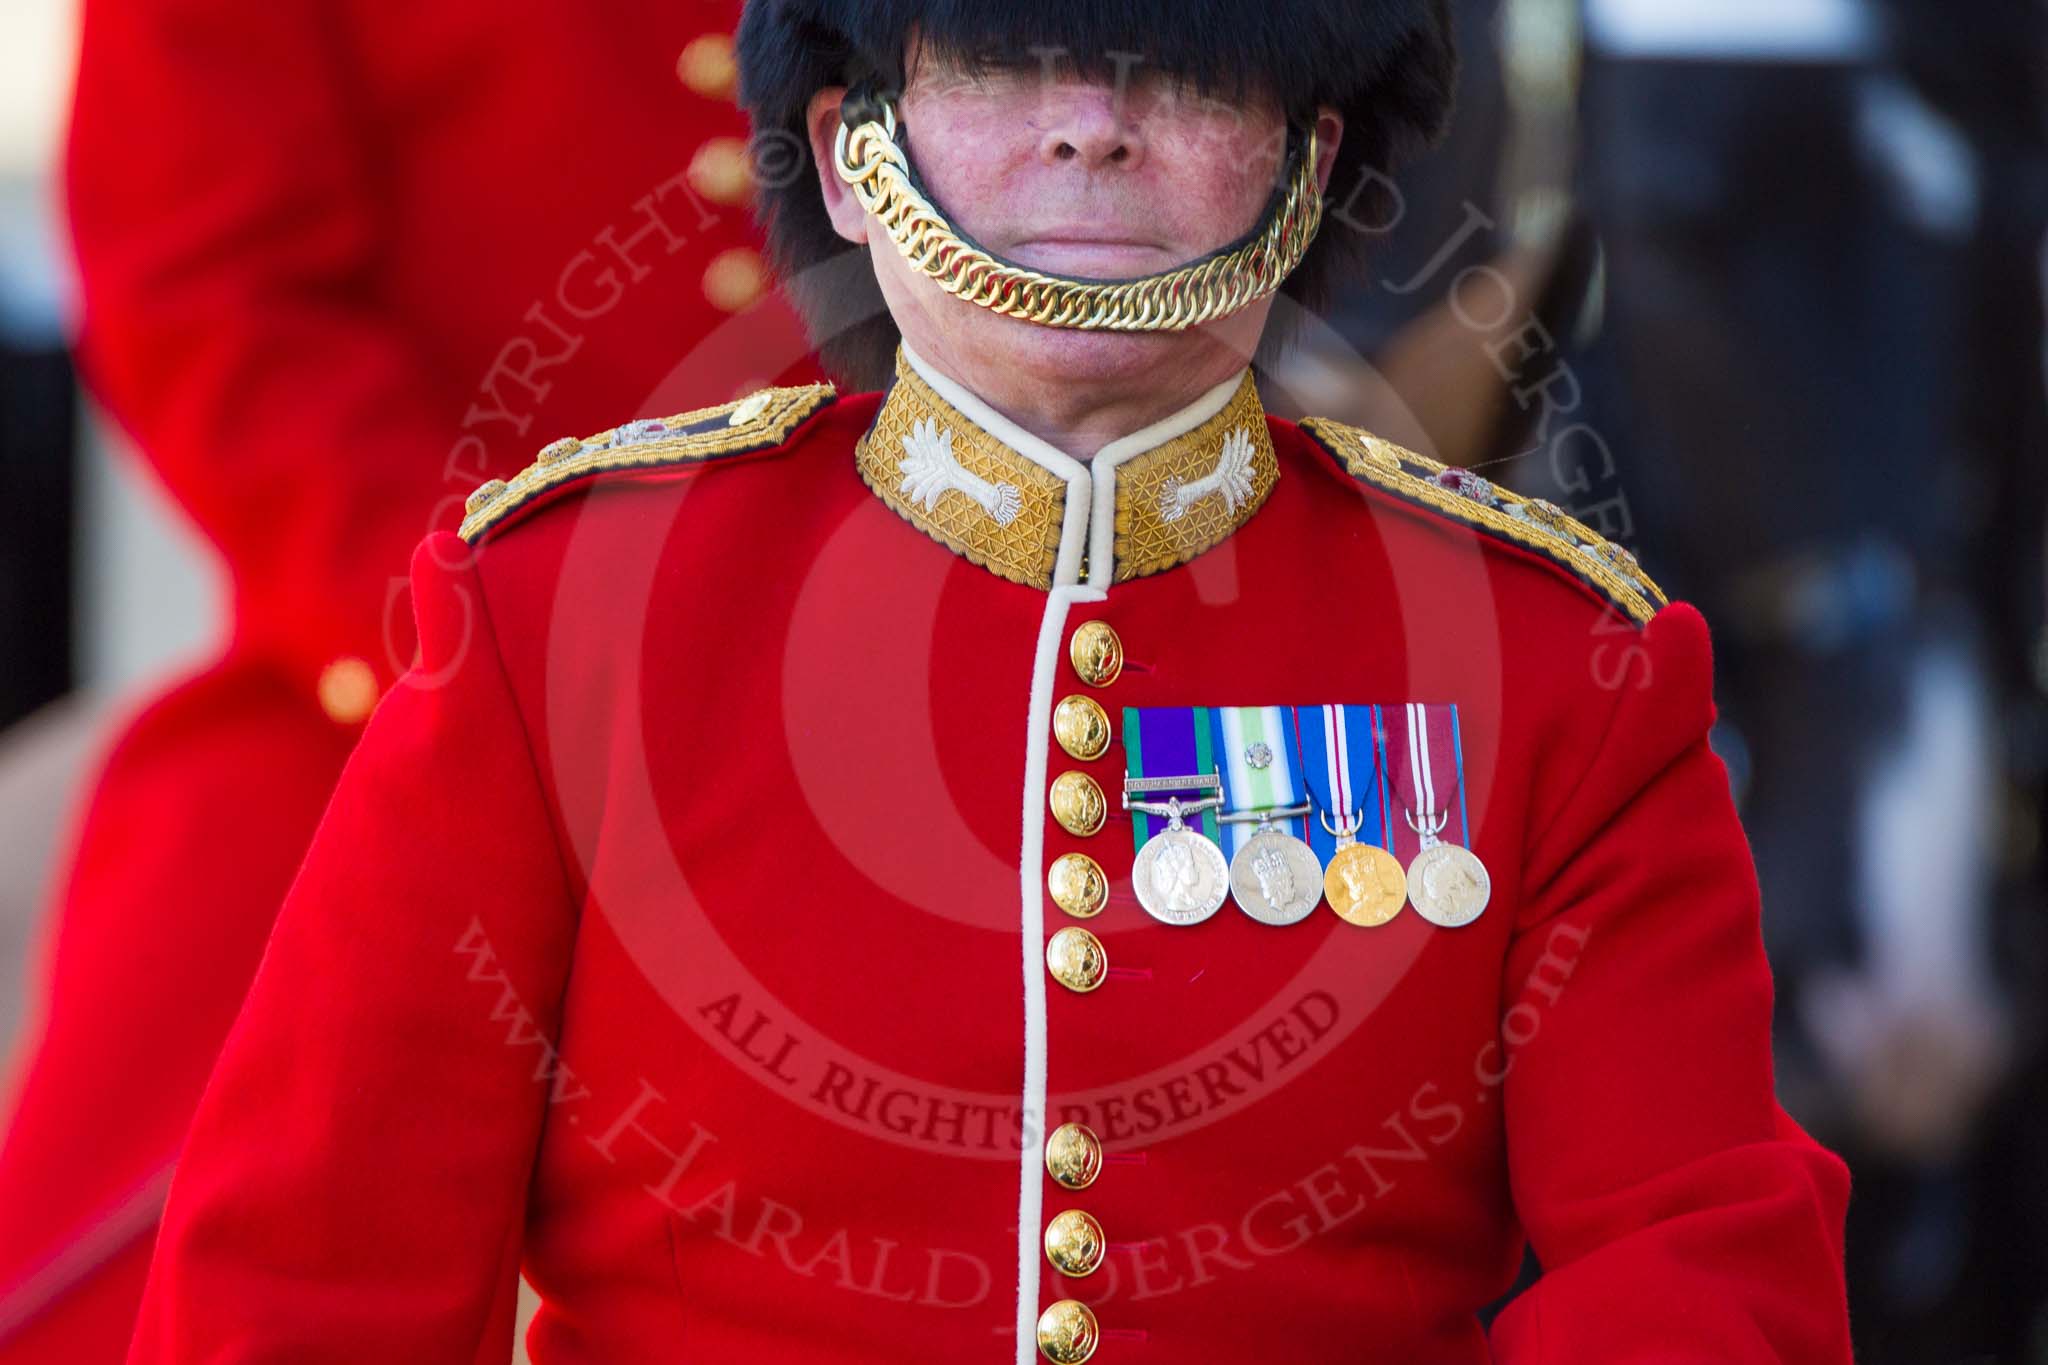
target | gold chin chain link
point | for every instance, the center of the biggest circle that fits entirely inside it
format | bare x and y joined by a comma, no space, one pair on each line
870,161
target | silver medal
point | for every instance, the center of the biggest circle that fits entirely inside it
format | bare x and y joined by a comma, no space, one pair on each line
1179,874
1180,877
1448,885
1276,878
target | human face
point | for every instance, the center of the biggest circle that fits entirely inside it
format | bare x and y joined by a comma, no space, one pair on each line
1097,178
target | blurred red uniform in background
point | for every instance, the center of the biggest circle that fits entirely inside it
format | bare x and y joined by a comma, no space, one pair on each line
339,264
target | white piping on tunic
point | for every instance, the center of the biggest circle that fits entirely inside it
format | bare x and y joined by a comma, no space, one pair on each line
1102,528
1089,525
1031,1176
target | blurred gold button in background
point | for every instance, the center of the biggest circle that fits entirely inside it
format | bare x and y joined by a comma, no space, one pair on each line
721,172
708,68
735,278
348,691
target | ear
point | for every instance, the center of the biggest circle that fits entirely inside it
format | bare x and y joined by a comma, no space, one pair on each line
1329,137
849,219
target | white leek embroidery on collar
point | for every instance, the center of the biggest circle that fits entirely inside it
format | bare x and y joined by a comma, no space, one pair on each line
1232,477
930,468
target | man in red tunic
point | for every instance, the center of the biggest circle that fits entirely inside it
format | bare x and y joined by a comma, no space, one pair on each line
1039,861
335,270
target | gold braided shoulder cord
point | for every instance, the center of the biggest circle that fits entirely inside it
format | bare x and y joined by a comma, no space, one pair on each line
871,161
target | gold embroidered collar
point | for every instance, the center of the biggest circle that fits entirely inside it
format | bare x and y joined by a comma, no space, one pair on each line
1030,514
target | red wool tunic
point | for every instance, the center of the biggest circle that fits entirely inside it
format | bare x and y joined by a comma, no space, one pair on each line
679,933
339,263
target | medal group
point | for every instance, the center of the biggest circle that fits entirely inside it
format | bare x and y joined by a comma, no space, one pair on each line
1283,808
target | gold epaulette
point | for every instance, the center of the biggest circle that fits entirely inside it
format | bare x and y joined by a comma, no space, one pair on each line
754,423
1530,523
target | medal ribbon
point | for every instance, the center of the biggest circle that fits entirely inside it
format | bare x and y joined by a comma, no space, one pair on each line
1170,741
1247,787
1343,751
1429,775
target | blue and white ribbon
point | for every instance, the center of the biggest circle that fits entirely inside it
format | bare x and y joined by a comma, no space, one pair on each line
1344,756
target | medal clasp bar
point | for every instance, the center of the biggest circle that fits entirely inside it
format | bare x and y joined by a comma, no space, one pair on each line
1193,782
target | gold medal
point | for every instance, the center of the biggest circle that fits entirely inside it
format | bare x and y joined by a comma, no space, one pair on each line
1365,885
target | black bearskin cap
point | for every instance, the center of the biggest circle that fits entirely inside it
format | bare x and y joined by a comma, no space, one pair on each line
1388,65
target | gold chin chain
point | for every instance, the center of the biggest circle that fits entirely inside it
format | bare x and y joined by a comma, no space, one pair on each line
870,160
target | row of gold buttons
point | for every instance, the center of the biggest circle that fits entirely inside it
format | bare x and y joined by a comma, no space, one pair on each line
1068,1332
1076,881
721,172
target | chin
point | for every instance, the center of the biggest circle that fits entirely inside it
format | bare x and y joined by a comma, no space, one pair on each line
1060,355
1051,353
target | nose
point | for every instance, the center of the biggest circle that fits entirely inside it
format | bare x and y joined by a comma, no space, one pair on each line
1089,126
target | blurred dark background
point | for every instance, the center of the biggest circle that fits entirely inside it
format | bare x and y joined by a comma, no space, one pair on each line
1781,265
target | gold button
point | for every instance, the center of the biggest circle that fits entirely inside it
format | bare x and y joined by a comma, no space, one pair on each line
1097,653
1073,1156
1076,959
1078,804
555,451
348,691
1073,1243
720,171
1068,1333
708,67
735,278
1078,885
1082,728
